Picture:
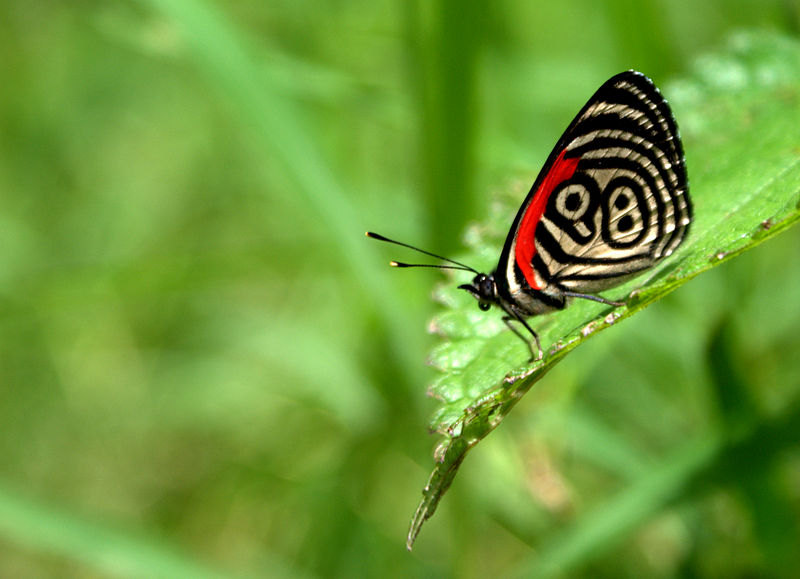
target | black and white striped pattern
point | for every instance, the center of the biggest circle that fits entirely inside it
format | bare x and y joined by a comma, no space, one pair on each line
625,206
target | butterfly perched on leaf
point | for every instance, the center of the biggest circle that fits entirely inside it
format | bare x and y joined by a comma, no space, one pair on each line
611,201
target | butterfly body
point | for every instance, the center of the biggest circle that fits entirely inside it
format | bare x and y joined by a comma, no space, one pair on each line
610,202
528,302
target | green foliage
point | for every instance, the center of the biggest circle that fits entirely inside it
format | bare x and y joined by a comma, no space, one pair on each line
745,178
207,371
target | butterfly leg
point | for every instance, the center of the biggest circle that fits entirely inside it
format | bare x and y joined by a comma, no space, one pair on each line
593,298
535,356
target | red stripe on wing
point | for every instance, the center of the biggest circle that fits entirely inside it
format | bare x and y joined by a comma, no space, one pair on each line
525,249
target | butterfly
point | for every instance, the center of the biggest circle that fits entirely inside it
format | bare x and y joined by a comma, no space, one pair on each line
611,201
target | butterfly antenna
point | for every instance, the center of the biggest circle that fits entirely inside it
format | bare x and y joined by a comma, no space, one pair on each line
459,265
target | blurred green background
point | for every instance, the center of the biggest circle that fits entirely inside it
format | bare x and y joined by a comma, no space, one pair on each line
206,369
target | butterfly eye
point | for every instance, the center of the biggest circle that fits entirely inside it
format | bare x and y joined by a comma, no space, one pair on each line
484,306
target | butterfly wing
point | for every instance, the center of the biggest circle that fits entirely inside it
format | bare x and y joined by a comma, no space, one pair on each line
611,200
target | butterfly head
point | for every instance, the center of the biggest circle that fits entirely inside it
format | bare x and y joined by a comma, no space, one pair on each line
484,288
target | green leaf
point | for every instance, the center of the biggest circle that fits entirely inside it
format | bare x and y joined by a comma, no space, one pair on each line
738,113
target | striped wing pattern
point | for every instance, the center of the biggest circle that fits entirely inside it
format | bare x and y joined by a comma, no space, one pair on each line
611,201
